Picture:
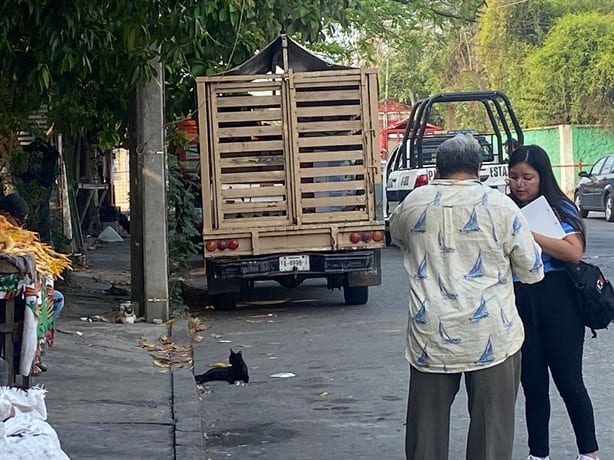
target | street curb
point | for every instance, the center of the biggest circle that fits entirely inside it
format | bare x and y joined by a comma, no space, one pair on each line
189,440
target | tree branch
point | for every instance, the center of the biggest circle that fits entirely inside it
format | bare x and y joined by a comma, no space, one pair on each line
447,14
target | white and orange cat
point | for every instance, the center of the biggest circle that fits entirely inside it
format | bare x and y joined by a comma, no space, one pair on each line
123,315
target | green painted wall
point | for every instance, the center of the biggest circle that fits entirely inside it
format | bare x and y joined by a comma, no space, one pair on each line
590,143
549,140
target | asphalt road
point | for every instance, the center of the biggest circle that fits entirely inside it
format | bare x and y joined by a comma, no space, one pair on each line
347,397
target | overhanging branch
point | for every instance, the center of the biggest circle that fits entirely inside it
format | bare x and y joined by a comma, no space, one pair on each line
448,14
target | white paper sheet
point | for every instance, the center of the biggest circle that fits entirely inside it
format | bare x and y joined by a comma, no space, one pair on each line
542,219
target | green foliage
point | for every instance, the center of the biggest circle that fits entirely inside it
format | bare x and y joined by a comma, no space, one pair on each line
409,42
185,240
513,41
182,213
506,35
83,59
570,78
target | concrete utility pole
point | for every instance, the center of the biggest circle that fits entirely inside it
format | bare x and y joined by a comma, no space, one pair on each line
148,206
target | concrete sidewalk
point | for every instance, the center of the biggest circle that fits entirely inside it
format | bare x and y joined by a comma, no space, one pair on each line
106,399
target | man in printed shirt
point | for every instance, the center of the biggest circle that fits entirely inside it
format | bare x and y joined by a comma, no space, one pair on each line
462,243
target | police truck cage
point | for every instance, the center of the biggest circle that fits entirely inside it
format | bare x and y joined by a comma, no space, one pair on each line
503,121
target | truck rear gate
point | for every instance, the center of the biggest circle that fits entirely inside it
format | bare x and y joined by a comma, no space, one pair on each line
291,180
263,176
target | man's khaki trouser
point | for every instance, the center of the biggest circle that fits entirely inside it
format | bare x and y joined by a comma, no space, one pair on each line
492,397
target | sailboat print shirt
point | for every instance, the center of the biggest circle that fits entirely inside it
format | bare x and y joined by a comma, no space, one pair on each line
462,243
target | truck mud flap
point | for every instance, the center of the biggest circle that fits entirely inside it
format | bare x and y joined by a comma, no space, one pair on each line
372,277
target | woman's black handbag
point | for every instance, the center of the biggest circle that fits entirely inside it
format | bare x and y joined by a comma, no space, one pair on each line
595,295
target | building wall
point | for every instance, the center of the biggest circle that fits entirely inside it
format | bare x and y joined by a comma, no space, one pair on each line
591,142
571,148
548,139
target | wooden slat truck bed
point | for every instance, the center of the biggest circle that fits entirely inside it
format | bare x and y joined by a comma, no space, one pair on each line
289,164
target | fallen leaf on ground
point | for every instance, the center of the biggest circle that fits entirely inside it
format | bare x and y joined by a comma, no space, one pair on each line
162,359
167,353
149,346
181,348
195,324
159,363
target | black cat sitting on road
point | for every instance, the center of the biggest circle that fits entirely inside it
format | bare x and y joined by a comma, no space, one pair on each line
237,372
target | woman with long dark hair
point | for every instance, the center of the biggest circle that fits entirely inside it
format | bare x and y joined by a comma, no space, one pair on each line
554,331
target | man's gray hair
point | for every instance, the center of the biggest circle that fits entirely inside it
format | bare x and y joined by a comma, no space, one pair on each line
462,153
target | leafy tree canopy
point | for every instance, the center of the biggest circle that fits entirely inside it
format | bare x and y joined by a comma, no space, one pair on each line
570,78
404,39
83,58
509,33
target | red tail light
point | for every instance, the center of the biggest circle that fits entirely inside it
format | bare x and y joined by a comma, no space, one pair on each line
355,238
221,245
421,180
378,236
366,236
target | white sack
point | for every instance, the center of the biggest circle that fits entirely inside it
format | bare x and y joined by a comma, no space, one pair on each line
24,433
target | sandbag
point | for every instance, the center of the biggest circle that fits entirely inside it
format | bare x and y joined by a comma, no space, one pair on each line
24,433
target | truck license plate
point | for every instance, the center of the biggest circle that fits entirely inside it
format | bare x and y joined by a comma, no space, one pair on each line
294,263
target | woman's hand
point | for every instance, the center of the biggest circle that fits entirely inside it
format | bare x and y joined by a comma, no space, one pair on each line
568,249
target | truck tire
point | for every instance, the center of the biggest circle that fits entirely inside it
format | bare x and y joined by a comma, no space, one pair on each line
290,281
225,302
193,296
355,295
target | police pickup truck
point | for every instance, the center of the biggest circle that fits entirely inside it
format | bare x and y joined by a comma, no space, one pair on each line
411,164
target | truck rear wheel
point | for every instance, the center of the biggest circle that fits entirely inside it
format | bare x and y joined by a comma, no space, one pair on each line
225,302
355,295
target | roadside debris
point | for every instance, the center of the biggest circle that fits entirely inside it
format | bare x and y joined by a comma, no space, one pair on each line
24,431
63,331
283,375
165,353
195,325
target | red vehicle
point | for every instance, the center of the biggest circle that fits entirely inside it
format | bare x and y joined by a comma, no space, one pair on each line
392,135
